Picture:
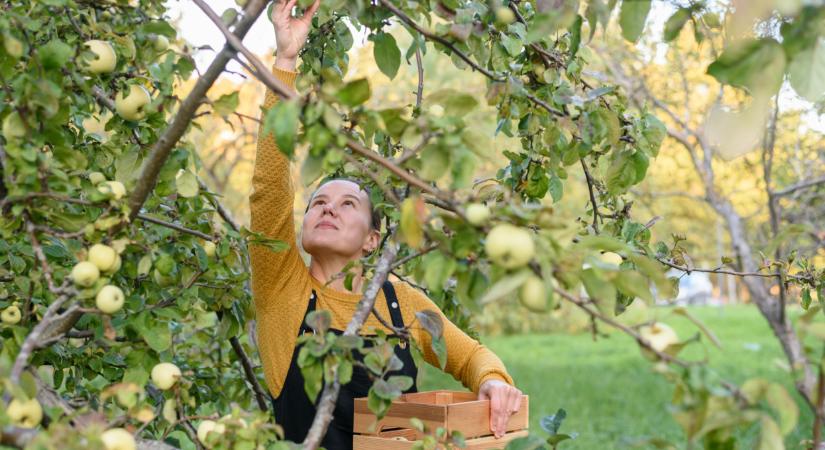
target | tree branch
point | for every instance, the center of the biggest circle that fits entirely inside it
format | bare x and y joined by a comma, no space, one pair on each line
175,227
326,404
164,145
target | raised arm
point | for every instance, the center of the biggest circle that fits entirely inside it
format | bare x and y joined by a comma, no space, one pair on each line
272,199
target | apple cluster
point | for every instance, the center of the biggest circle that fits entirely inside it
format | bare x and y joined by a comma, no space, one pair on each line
102,259
100,57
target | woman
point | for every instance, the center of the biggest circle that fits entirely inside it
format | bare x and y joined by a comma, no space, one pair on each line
339,226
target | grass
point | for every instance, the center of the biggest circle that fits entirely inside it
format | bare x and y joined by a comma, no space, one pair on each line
609,391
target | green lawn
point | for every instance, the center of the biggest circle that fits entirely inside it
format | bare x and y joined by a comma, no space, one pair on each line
608,389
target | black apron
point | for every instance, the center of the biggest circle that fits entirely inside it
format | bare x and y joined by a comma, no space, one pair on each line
294,411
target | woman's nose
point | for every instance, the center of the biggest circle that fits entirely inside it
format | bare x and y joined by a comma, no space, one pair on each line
328,208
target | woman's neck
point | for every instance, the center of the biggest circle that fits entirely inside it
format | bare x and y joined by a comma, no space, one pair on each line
329,272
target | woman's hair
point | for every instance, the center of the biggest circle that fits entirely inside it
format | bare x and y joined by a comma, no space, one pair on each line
375,214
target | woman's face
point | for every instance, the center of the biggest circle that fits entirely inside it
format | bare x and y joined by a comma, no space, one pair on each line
338,222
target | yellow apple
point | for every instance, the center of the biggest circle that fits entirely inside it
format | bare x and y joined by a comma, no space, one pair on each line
110,299
165,375
85,274
97,178
241,3
105,58
118,439
160,43
209,248
509,246
660,336
436,110
103,256
11,315
477,214
533,294
113,189
26,414
505,15
209,426
96,124
131,106
13,127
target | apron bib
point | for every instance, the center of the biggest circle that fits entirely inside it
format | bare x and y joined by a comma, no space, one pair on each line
294,411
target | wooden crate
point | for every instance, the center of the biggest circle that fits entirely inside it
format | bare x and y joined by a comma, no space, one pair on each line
389,440
451,410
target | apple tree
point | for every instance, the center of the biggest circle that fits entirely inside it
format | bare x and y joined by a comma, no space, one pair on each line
125,306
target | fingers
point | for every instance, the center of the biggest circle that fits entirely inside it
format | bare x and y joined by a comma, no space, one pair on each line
498,413
310,12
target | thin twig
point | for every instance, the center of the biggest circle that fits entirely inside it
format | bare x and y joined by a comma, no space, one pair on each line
175,227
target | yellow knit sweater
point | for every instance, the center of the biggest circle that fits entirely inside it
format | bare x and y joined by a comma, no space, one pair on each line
282,284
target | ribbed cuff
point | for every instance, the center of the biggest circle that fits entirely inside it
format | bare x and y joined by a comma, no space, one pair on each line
492,376
287,76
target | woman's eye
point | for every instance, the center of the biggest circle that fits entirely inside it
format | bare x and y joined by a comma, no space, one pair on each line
349,202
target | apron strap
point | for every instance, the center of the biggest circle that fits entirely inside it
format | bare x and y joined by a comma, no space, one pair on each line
313,299
392,305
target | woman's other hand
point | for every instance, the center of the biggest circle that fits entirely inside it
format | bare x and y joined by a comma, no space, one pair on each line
505,400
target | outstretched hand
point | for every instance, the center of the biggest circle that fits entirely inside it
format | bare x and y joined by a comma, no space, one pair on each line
505,400
290,32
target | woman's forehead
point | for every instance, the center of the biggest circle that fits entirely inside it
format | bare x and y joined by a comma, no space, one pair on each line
338,188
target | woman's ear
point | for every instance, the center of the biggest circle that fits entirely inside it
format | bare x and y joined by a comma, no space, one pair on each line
372,242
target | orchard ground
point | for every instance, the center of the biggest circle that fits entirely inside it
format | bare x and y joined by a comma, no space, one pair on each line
608,389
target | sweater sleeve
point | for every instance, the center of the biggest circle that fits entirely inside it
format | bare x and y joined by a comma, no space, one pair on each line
271,208
468,361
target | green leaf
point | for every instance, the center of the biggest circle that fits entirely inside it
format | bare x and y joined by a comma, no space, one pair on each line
633,284
355,92
600,291
757,65
187,184
675,23
653,134
386,52
158,337
505,286
54,54
226,104
632,18
781,401
552,423
807,72
319,320
256,238
431,322
378,405
282,121
345,371
556,188
402,382
313,379
439,347
806,298
769,436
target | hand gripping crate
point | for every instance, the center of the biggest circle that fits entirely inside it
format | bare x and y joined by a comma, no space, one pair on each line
452,410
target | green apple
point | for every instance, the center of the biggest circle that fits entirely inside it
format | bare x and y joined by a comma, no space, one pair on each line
25,414
113,189
13,127
161,279
477,214
660,336
209,426
160,43
118,439
13,46
209,248
105,58
241,3
103,256
131,106
97,178
509,246
170,410
165,375
505,15
110,299
85,274
11,315
533,294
